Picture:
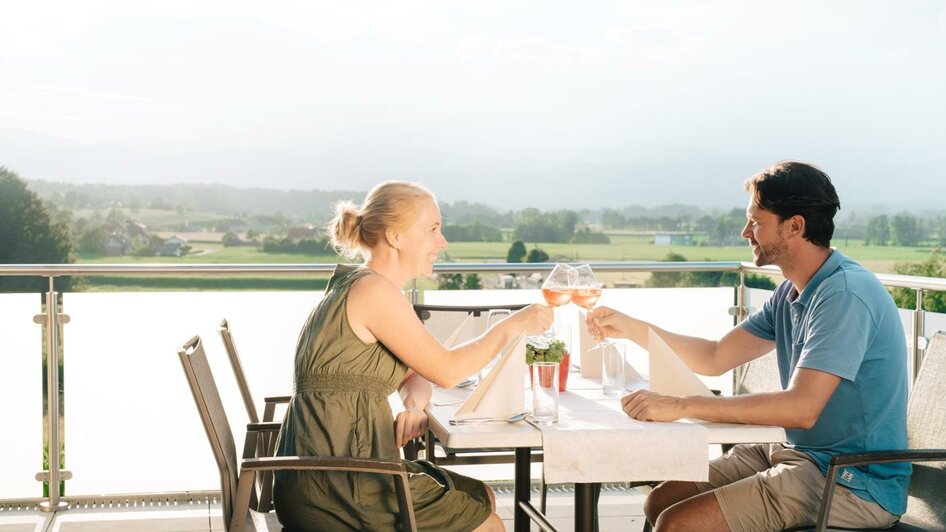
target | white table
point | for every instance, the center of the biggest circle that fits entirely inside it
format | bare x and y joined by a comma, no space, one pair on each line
523,437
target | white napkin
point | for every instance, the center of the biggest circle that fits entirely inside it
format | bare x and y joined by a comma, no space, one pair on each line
463,333
668,374
590,358
500,393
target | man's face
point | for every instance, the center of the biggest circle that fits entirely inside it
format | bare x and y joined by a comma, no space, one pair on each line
763,230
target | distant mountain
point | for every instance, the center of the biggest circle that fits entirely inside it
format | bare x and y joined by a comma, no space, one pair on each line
297,179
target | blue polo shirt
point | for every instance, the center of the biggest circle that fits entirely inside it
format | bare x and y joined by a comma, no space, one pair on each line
845,323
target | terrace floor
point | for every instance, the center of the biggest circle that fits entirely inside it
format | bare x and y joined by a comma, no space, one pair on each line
619,509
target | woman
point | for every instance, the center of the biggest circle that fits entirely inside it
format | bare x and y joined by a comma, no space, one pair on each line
361,343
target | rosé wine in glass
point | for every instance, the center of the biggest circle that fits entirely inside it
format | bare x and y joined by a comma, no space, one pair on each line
586,298
557,297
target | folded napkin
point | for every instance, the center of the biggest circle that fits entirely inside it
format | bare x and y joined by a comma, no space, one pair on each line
590,358
466,331
500,393
595,441
668,374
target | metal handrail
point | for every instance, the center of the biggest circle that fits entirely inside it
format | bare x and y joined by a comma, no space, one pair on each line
65,270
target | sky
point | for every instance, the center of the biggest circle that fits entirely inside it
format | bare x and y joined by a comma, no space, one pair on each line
513,104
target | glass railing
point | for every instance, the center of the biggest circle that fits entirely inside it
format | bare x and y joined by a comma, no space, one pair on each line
129,423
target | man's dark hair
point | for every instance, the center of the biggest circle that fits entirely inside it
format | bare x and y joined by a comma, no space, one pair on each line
789,188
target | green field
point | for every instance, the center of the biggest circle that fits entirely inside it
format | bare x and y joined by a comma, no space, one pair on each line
623,247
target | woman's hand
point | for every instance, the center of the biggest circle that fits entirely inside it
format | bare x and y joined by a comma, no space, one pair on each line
533,319
605,322
645,405
409,424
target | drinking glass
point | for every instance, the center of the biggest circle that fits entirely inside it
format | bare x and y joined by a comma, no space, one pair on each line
557,291
612,368
493,317
587,292
545,392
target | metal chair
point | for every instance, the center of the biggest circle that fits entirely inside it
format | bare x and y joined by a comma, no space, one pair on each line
266,443
269,408
238,485
926,429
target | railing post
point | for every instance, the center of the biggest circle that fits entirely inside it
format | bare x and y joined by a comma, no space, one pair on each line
54,475
414,298
741,298
739,315
916,355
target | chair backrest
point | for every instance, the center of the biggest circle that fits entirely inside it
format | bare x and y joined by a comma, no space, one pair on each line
759,375
214,418
237,366
926,425
441,320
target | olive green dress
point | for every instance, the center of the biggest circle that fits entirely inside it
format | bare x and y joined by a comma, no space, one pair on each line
340,408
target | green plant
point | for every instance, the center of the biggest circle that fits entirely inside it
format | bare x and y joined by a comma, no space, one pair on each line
553,353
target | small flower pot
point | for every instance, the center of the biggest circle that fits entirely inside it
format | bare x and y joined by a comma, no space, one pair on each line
562,373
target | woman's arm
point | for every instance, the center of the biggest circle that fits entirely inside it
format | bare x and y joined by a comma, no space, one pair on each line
412,421
378,311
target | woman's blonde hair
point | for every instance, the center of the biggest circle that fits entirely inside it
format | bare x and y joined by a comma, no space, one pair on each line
356,229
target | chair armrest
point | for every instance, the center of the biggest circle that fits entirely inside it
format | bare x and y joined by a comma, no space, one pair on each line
278,399
875,457
887,457
323,463
270,426
249,467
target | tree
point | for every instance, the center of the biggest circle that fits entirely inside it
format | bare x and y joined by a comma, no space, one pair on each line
28,235
905,230
517,252
728,228
471,282
666,279
934,266
230,239
93,240
877,232
537,255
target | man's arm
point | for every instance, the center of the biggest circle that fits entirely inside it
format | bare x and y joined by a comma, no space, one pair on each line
797,407
706,357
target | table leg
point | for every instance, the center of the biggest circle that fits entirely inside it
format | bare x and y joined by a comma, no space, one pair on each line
523,487
586,506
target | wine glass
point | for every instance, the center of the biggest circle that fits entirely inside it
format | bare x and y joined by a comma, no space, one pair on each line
557,291
586,292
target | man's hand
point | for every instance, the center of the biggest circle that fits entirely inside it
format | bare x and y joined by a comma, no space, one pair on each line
645,405
605,322
409,424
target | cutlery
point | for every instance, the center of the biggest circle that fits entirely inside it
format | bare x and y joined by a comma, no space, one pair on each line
450,403
518,416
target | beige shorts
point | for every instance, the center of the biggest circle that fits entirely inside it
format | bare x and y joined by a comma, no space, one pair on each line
770,487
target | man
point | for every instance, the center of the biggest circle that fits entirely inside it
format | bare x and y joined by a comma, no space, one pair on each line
842,363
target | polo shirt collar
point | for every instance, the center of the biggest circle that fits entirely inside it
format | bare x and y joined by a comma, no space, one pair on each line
832,263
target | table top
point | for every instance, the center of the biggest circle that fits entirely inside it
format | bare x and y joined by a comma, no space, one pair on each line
581,393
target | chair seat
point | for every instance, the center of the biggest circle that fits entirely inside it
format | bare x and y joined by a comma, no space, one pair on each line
263,522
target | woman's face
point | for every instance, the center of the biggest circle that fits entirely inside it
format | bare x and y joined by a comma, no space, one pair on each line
422,241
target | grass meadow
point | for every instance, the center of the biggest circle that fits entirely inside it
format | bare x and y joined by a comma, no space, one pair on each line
623,247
